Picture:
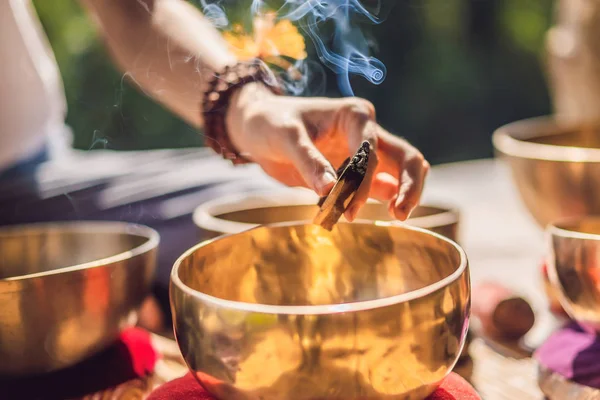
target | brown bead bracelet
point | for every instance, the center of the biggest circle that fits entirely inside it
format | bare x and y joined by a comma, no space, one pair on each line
216,103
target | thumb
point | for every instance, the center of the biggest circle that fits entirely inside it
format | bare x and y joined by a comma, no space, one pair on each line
314,168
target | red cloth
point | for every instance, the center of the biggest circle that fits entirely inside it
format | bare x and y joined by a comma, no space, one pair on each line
132,356
452,388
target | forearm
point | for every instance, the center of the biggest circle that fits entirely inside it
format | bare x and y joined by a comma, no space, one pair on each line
160,44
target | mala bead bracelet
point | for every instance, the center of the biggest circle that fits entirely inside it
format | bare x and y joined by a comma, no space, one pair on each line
216,103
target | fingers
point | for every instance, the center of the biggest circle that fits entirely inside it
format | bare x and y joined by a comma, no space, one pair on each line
362,194
356,120
286,174
314,168
384,187
339,118
412,181
408,165
401,168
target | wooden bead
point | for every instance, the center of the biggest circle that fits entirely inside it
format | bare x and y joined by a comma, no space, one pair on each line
231,78
502,314
215,103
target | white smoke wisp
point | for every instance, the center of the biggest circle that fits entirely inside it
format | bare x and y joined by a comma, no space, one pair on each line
345,50
348,52
215,13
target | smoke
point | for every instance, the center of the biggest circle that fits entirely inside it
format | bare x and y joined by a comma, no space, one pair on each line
349,49
215,13
334,28
308,77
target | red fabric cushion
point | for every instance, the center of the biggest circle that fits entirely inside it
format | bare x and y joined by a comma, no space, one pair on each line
186,387
132,356
453,388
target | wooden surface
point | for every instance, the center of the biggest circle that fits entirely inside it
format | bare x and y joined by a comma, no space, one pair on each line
497,377
501,240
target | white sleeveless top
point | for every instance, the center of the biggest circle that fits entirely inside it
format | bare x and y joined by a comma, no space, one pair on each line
32,101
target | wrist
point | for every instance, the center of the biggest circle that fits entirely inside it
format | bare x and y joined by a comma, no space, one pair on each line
226,101
241,102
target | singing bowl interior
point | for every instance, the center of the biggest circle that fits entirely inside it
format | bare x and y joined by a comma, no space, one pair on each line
555,165
234,214
368,311
575,268
68,289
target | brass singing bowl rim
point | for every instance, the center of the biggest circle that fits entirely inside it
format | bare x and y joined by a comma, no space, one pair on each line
573,228
88,227
511,140
206,216
578,230
327,308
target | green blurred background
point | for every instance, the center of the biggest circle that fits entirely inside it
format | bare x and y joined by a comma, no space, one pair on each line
457,69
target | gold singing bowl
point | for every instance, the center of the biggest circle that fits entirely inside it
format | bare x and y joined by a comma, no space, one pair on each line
237,213
292,311
555,165
574,268
68,289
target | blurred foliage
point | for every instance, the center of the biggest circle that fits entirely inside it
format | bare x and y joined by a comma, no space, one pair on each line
105,111
457,69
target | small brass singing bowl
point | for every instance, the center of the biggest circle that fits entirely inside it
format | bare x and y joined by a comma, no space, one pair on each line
67,290
555,165
574,268
237,213
292,311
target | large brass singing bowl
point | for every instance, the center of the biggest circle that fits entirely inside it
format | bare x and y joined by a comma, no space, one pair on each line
291,311
68,289
574,268
555,165
237,213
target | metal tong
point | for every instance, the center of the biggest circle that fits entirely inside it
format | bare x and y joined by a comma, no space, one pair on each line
350,176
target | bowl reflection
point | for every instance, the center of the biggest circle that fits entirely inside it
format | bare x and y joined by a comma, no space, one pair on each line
574,268
68,289
555,165
367,311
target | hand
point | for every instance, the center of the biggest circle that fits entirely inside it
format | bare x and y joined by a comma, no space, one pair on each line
297,140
